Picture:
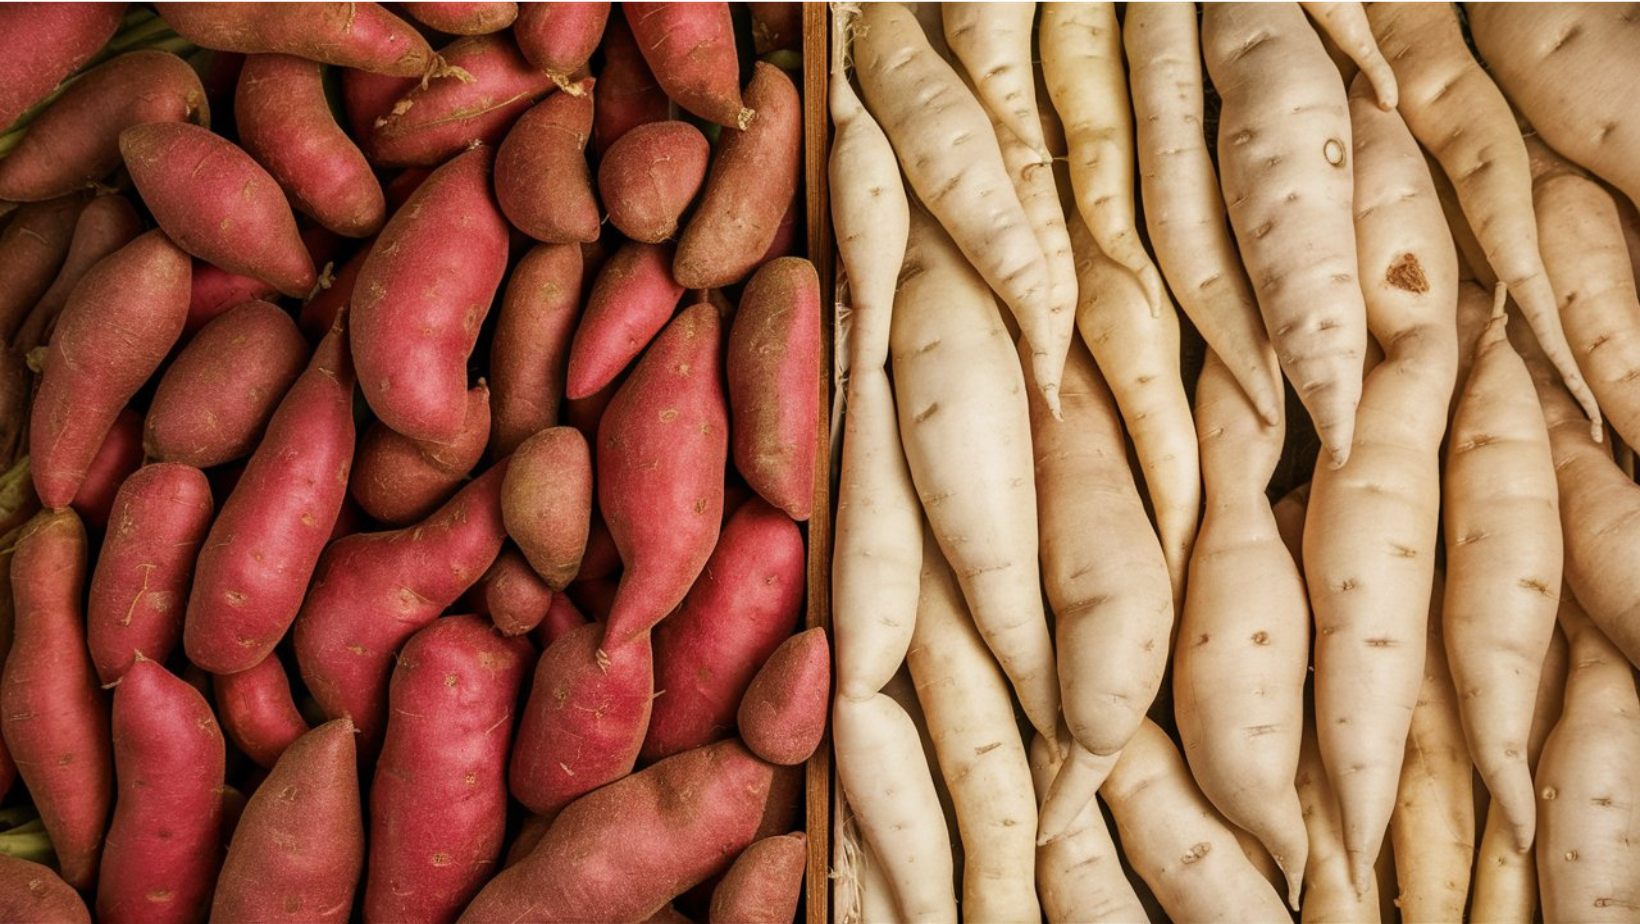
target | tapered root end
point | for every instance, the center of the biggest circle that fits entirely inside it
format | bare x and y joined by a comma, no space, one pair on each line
1361,874
745,119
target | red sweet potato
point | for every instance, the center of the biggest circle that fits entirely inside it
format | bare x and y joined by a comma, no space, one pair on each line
258,712
285,124
52,713
578,872
559,38
546,502
783,715
119,324
562,618
773,360
438,809
628,93
33,248
764,884
541,175
75,142
487,87
662,445
165,841
358,35
107,224
31,892
318,314
140,587
119,455
421,298
255,565
730,230
367,98
584,721
602,559
217,203
374,590
633,298
594,596
785,237
742,607
398,480
649,177
512,595
776,26
216,398
15,384
299,848
215,291
529,352
461,18
690,48
530,832
46,42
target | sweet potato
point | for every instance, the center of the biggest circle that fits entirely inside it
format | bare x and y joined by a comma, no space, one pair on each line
107,224
562,618
529,352
633,298
357,35
75,142
217,396
422,295
776,26
764,883
318,313
742,607
578,873
438,808
15,385
47,42
259,555
215,291
541,175
52,713
486,87
662,445
398,480
774,350
730,230
374,590
31,892
546,502
650,176
783,713
299,847
285,123
258,712
585,719
117,327
463,18
367,98
164,842
217,203
559,38
119,455
33,247
691,49
140,586
511,594
628,93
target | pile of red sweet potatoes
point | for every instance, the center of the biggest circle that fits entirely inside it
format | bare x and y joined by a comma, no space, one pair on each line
411,412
